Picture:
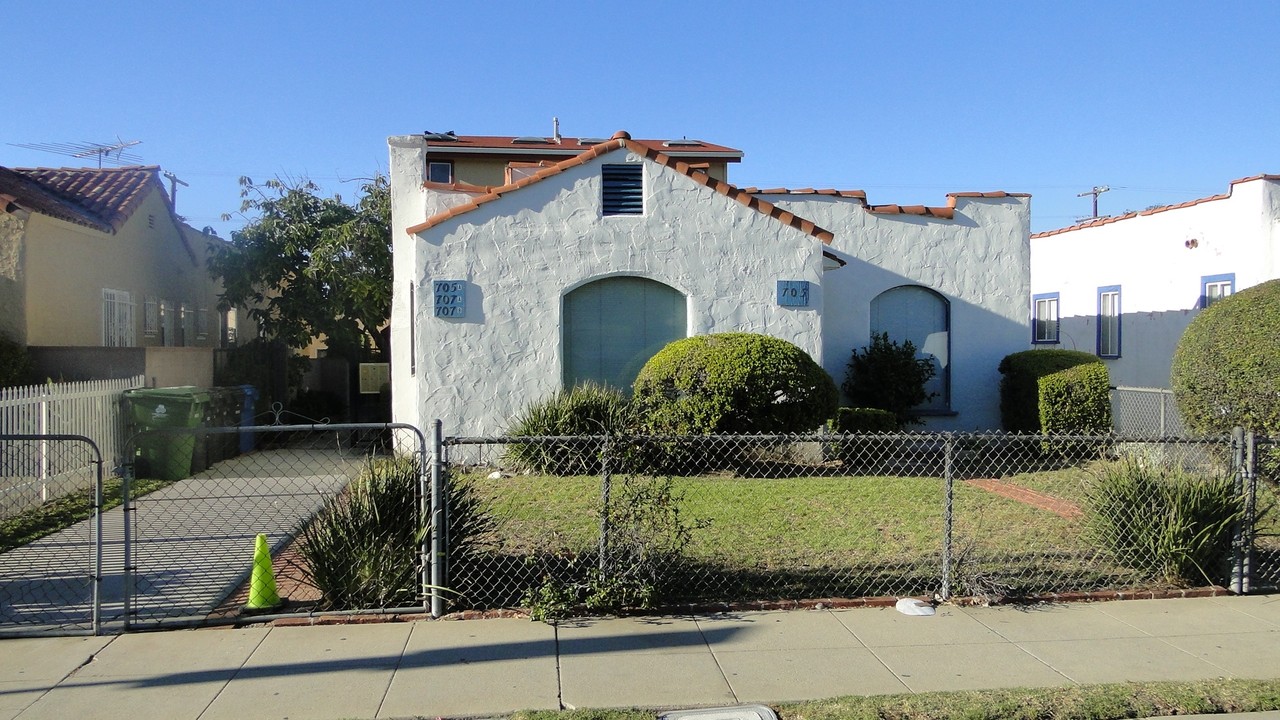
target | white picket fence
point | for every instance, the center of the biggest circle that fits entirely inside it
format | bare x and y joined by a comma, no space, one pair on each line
94,408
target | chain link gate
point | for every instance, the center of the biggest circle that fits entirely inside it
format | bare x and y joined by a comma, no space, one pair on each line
341,507
51,583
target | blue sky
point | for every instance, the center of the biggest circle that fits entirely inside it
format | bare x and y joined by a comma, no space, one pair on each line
1162,101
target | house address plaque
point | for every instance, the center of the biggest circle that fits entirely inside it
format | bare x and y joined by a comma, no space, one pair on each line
450,298
793,293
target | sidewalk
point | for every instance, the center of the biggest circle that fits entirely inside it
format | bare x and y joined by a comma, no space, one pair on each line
486,667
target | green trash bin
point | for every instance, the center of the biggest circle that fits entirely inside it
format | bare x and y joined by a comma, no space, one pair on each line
168,456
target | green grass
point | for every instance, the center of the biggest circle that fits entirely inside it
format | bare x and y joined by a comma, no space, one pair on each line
1080,702
65,511
818,536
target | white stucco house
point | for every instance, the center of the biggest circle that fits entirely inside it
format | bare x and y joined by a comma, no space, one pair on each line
1126,287
524,265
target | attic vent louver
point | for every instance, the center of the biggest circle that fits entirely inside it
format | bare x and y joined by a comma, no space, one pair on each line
530,140
623,189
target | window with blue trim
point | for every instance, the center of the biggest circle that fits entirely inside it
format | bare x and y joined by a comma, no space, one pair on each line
1044,318
1109,321
1215,287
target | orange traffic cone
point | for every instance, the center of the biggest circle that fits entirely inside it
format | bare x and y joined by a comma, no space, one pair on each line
262,582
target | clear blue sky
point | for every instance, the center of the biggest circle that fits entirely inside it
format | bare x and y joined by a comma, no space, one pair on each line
1163,101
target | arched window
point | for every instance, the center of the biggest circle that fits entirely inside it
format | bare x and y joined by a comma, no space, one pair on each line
918,314
613,326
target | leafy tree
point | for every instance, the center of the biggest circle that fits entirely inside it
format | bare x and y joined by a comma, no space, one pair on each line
307,265
889,376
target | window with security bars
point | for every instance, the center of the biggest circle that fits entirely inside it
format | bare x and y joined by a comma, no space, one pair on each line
1045,320
1215,287
202,323
1109,321
623,189
151,316
117,319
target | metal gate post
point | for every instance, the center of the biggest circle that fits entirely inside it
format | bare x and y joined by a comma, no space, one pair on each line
439,548
1238,581
1250,506
606,482
127,509
96,532
948,507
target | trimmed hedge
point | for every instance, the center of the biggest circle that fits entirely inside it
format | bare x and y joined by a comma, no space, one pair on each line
1226,370
864,420
1076,400
733,383
1020,400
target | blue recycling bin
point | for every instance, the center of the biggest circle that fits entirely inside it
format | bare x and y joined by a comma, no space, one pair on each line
247,413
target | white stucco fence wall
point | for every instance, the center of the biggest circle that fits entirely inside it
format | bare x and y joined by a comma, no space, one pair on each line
521,253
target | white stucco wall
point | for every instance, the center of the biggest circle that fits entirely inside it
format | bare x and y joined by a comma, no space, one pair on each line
1158,274
520,255
978,261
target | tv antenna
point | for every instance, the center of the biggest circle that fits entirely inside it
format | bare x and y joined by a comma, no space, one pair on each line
113,153
1095,192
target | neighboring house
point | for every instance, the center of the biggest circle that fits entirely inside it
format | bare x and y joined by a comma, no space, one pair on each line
594,254
94,258
1125,288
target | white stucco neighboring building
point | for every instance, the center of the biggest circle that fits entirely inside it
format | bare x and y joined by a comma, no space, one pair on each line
1126,287
590,255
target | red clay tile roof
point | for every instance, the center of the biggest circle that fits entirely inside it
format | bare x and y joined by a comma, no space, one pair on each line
567,147
100,198
1116,218
621,140
946,213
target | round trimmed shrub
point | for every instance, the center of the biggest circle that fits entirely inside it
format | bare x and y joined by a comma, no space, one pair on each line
1226,370
733,383
1020,398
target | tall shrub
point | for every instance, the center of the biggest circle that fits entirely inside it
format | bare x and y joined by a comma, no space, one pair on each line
888,376
1076,400
1020,402
1226,369
15,364
733,383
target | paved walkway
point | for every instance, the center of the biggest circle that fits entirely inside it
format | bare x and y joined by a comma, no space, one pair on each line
192,543
484,667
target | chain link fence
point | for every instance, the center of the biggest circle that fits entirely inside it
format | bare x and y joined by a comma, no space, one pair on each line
49,583
1146,412
745,518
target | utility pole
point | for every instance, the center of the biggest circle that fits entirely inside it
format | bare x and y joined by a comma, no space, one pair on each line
174,182
1095,192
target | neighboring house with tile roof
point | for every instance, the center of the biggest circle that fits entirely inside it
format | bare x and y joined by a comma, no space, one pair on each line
94,258
1126,287
535,271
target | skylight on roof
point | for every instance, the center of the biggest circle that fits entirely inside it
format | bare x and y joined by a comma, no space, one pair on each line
530,140
682,143
592,141
444,136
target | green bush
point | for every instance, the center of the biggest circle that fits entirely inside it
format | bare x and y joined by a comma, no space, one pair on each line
864,420
1076,400
1226,369
889,376
586,409
733,383
1020,403
15,364
1169,525
363,546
